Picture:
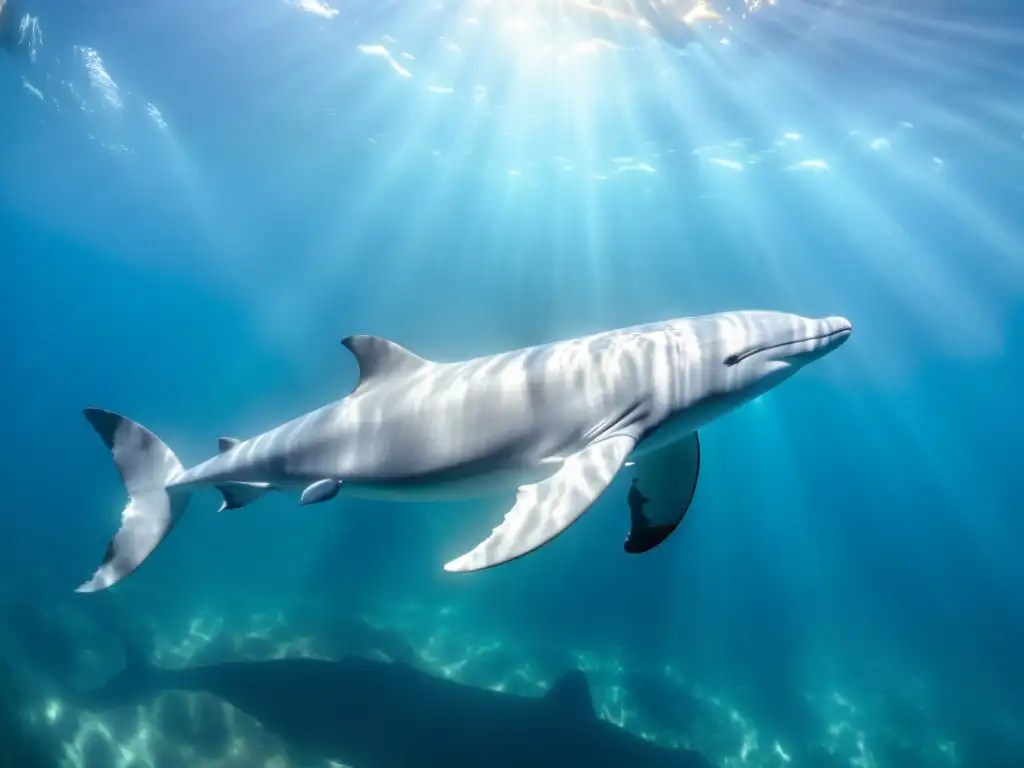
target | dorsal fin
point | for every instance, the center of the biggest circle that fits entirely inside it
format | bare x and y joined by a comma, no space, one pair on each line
571,694
379,358
225,444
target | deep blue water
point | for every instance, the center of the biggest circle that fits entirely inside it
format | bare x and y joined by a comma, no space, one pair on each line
198,201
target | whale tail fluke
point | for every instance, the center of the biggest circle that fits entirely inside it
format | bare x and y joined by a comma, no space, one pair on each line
147,467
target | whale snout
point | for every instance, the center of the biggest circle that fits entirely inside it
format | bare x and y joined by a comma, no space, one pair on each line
814,339
793,339
839,324
837,329
824,335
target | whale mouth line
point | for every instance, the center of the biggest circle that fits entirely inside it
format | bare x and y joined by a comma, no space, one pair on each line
741,356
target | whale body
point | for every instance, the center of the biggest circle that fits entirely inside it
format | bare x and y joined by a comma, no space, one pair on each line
557,422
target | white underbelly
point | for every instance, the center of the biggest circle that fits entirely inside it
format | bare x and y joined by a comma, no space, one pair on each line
470,487
686,422
668,432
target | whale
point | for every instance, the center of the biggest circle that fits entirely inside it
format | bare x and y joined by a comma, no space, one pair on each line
551,425
368,712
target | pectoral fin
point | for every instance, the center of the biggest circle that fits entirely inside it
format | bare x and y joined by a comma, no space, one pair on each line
321,490
667,479
545,509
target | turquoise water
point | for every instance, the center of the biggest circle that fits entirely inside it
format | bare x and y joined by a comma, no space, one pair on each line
198,201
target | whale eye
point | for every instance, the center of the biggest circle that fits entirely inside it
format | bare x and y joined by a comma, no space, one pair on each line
734,358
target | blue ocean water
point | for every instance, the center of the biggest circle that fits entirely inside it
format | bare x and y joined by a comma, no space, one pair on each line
198,201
